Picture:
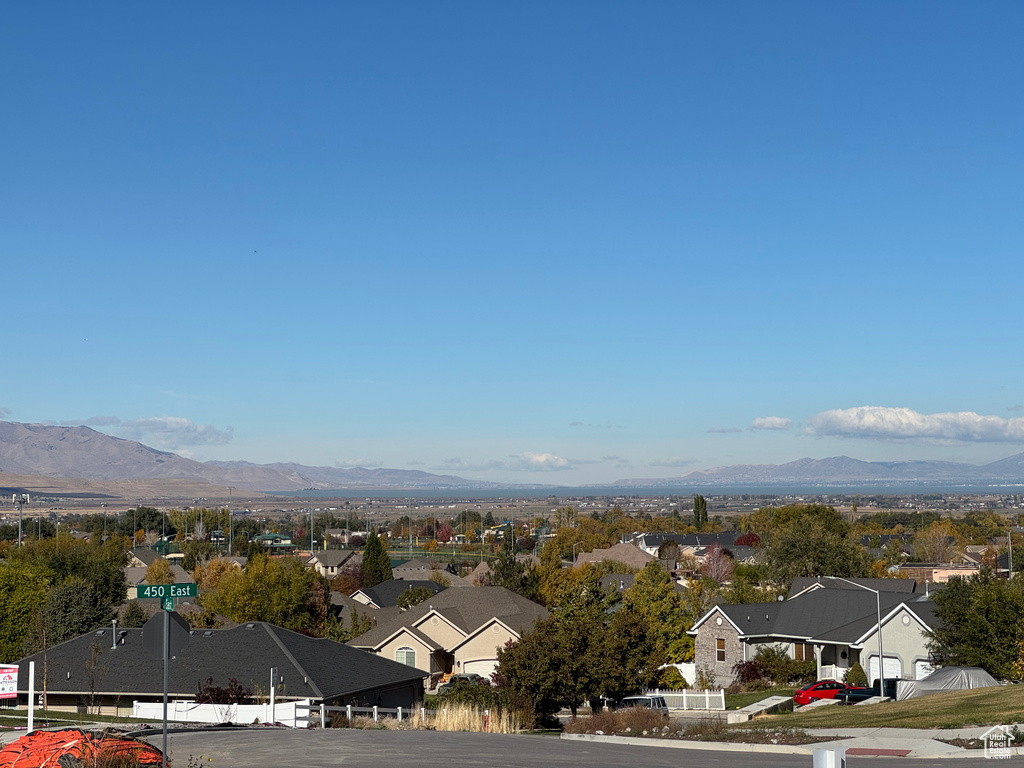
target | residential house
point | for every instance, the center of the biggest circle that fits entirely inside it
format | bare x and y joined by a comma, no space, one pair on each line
480,576
386,594
458,630
627,554
836,626
112,669
330,562
687,542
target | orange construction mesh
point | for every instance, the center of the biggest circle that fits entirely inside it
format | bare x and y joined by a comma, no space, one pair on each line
45,749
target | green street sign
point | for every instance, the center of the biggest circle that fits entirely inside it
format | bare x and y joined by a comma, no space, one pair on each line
166,591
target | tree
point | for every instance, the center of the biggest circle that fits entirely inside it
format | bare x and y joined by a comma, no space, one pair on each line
71,609
654,600
808,540
700,512
718,564
23,589
979,623
134,615
159,572
936,543
414,596
510,572
376,563
278,591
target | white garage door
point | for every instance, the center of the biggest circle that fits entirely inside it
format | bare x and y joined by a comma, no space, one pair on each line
482,668
893,667
922,669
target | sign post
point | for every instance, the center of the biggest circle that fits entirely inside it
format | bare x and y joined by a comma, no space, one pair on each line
161,623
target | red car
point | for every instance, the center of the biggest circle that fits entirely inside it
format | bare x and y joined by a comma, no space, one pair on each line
823,689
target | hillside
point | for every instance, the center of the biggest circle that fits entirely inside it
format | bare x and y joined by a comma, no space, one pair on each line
81,452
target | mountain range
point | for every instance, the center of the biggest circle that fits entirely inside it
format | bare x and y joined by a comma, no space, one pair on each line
83,453
840,471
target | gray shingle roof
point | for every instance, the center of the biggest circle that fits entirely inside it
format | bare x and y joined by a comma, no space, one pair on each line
903,586
387,593
467,609
810,615
311,667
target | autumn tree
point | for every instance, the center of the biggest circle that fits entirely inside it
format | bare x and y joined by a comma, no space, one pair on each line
936,543
278,591
159,572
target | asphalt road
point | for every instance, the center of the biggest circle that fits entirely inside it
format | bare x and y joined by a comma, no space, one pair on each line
435,749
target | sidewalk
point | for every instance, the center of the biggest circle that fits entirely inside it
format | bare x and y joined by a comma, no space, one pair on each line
864,742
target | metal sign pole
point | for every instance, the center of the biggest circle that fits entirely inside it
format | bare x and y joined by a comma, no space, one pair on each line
167,653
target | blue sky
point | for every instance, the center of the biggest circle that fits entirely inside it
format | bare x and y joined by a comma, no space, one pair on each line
527,242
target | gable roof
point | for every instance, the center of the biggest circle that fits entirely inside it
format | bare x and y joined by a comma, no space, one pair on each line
466,609
627,554
802,584
811,614
144,555
333,558
310,667
387,593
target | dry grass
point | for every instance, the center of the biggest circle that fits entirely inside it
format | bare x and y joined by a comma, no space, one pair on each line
635,721
469,719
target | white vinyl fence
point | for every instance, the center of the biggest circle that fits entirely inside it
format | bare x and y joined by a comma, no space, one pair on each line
691,699
290,713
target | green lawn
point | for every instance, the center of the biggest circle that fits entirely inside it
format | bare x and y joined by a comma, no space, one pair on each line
956,709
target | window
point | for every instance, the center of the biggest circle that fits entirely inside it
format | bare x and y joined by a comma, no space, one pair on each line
803,651
720,649
406,656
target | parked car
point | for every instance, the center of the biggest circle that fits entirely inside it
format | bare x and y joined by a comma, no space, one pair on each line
823,689
656,703
855,695
460,680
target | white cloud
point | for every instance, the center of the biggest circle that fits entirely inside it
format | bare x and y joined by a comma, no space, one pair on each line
522,462
170,432
869,421
5,412
771,422
724,430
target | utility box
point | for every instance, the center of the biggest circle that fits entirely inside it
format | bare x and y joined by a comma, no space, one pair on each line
830,758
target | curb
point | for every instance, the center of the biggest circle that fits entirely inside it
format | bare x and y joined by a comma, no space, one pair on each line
710,746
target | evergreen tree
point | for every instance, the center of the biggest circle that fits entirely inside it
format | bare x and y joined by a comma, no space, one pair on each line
376,563
510,572
700,511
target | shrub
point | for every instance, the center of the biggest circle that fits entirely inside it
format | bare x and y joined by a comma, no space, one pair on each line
705,678
672,678
855,675
631,720
747,672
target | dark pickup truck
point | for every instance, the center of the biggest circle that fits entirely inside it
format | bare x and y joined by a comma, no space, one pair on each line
863,694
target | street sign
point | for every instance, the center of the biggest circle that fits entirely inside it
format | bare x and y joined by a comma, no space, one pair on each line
153,634
8,682
164,591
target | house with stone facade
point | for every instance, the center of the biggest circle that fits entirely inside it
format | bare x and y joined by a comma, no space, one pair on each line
835,627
